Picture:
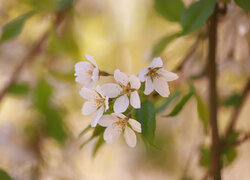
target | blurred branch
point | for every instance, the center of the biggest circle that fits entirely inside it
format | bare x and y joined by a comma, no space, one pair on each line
215,167
32,54
238,109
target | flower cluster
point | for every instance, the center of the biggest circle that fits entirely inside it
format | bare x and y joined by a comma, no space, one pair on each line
119,94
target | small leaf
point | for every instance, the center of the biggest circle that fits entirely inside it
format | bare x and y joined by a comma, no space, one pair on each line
19,89
181,104
146,116
205,157
14,27
161,45
85,130
98,144
196,15
203,112
228,155
245,4
168,102
42,93
234,100
4,175
170,9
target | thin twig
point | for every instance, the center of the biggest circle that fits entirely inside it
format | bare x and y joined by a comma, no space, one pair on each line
212,75
238,109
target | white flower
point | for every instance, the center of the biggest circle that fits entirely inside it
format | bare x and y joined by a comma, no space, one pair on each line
87,73
127,86
116,123
96,103
157,78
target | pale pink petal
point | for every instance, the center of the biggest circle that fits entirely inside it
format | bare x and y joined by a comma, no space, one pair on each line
169,76
112,133
89,107
134,82
91,59
119,115
121,104
107,120
148,86
121,77
83,67
90,84
95,75
89,94
161,86
135,99
106,103
130,136
111,90
96,116
135,125
142,74
157,62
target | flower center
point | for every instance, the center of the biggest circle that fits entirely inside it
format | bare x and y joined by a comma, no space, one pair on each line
100,101
122,123
126,89
90,72
152,73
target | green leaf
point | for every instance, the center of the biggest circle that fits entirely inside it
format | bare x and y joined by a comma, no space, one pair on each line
19,89
85,130
205,157
98,144
196,15
167,102
146,116
42,93
245,4
181,104
161,45
203,112
169,9
14,27
4,175
234,100
54,125
186,178
228,155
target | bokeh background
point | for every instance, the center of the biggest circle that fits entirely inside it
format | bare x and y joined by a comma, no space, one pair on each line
40,115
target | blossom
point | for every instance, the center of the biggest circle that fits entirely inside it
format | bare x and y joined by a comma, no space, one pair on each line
116,123
96,103
157,78
87,73
125,87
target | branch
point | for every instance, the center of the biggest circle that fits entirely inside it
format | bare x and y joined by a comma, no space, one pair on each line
237,110
215,168
31,55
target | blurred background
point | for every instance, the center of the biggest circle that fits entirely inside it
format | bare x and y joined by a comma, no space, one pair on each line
40,113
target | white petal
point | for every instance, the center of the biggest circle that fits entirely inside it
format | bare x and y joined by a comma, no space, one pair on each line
135,99
142,74
91,59
89,94
107,120
111,90
90,84
89,107
95,75
148,86
130,136
135,125
83,66
119,115
121,77
96,116
82,74
169,76
121,104
112,133
157,62
161,86
134,82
